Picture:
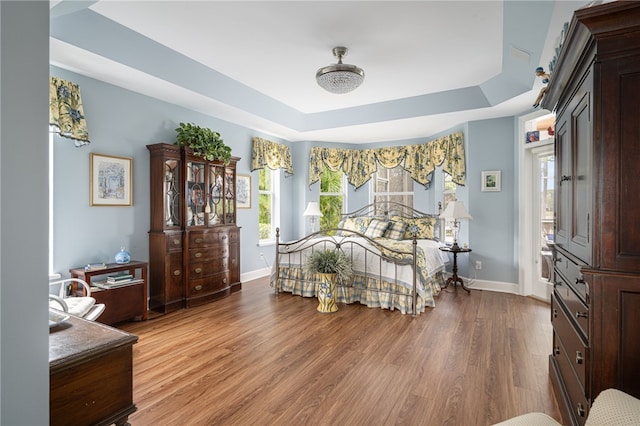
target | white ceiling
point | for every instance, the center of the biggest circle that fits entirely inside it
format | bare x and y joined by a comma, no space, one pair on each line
430,65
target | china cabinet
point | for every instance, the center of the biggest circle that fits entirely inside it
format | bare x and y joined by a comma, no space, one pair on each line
194,240
595,306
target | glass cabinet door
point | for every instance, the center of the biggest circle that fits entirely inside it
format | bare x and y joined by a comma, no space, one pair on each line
196,194
172,193
216,195
230,195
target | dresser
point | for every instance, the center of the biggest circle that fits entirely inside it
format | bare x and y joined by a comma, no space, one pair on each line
91,374
595,307
194,240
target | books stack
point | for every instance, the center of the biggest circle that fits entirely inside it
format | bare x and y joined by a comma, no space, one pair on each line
118,280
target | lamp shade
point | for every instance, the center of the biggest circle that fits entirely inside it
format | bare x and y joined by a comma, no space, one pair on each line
455,210
313,209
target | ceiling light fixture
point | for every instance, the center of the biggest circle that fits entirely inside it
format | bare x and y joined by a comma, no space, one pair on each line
340,78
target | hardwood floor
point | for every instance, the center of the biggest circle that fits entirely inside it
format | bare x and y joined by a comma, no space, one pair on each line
257,358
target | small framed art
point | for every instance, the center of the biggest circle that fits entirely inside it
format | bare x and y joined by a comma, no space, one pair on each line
110,182
491,180
243,191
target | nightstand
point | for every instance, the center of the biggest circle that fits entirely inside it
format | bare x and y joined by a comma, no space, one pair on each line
455,278
122,303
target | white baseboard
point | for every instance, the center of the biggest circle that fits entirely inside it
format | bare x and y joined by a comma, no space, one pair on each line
498,286
254,275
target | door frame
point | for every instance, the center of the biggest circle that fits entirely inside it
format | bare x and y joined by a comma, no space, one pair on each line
527,259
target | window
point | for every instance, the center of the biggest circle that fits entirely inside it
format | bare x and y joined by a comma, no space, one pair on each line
269,213
332,198
393,185
448,194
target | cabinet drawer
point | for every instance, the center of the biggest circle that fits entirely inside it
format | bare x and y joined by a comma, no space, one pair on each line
570,271
234,235
574,305
174,242
570,343
203,269
208,254
573,387
210,284
208,238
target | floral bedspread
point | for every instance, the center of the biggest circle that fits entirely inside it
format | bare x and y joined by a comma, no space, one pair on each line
377,282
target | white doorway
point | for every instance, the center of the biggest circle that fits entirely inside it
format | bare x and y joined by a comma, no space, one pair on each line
536,204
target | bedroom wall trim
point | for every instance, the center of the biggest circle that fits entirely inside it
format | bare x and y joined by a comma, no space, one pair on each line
255,274
497,286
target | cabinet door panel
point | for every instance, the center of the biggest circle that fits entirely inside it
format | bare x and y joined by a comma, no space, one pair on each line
563,164
175,287
616,297
579,243
620,233
234,263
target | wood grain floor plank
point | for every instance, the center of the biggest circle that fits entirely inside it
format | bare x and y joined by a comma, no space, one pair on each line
260,358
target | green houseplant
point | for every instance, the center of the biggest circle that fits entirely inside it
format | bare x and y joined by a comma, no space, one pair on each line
204,142
329,265
329,262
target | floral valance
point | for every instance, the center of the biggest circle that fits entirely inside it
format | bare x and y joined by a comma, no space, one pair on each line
65,111
419,160
271,154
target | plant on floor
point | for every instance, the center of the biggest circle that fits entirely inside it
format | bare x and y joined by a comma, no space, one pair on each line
204,142
330,262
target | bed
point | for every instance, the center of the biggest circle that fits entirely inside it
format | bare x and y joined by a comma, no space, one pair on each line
395,254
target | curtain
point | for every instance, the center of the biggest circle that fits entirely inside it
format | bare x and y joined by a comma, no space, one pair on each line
65,111
272,155
419,160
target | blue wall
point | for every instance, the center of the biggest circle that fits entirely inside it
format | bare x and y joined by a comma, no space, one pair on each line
122,123
492,232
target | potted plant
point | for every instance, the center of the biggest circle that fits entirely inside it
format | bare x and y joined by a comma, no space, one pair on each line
204,142
330,265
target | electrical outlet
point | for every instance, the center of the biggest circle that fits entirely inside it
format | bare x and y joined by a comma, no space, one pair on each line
478,264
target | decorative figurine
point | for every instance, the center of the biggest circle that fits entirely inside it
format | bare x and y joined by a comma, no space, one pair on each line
123,256
545,79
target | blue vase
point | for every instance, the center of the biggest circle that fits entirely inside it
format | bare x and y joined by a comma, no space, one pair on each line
123,256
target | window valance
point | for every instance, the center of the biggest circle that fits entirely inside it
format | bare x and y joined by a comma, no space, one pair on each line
66,113
419,160
271,154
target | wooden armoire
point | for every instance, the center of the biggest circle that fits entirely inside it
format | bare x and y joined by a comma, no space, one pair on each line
595,309
194,240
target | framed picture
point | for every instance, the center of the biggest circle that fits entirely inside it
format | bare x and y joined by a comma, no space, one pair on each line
532,136
243,191
110,180
491,180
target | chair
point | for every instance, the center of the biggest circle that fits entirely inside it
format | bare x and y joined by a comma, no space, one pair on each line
611,408
81,306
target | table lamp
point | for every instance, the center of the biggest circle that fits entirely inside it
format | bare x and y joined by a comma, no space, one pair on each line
313,210
453,213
